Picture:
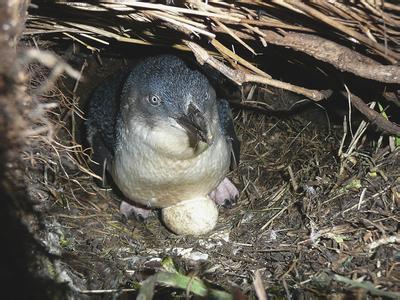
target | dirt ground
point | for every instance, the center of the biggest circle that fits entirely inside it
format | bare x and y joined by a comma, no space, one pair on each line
316,217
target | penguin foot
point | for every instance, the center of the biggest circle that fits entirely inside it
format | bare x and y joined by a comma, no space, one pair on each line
226,194
139,213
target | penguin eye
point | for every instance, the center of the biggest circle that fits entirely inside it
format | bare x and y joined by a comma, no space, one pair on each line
154,100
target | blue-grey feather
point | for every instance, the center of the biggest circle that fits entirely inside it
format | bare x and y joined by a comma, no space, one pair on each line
228,129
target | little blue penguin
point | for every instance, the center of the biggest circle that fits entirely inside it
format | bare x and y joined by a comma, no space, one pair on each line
163,135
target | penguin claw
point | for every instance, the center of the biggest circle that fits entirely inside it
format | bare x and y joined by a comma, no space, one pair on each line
139,213
226,194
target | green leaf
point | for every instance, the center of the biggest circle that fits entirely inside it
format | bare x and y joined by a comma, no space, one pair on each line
191,284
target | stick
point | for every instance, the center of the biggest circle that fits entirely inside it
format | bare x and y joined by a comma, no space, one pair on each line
375,117
240,77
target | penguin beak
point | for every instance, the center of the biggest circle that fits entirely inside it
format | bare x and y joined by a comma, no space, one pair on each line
195,125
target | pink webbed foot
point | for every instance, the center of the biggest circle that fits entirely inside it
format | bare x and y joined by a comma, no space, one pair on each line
139,213
225,194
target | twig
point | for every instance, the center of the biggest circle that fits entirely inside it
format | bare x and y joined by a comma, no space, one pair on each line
258,286
335,54
225,51
384,241
106,291
234,36
293,178
275,216
118,37
384,124
368,286
51,61
161,7
240,77
182,24
390,55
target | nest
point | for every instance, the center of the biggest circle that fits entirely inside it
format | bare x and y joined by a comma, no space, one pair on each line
314,89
